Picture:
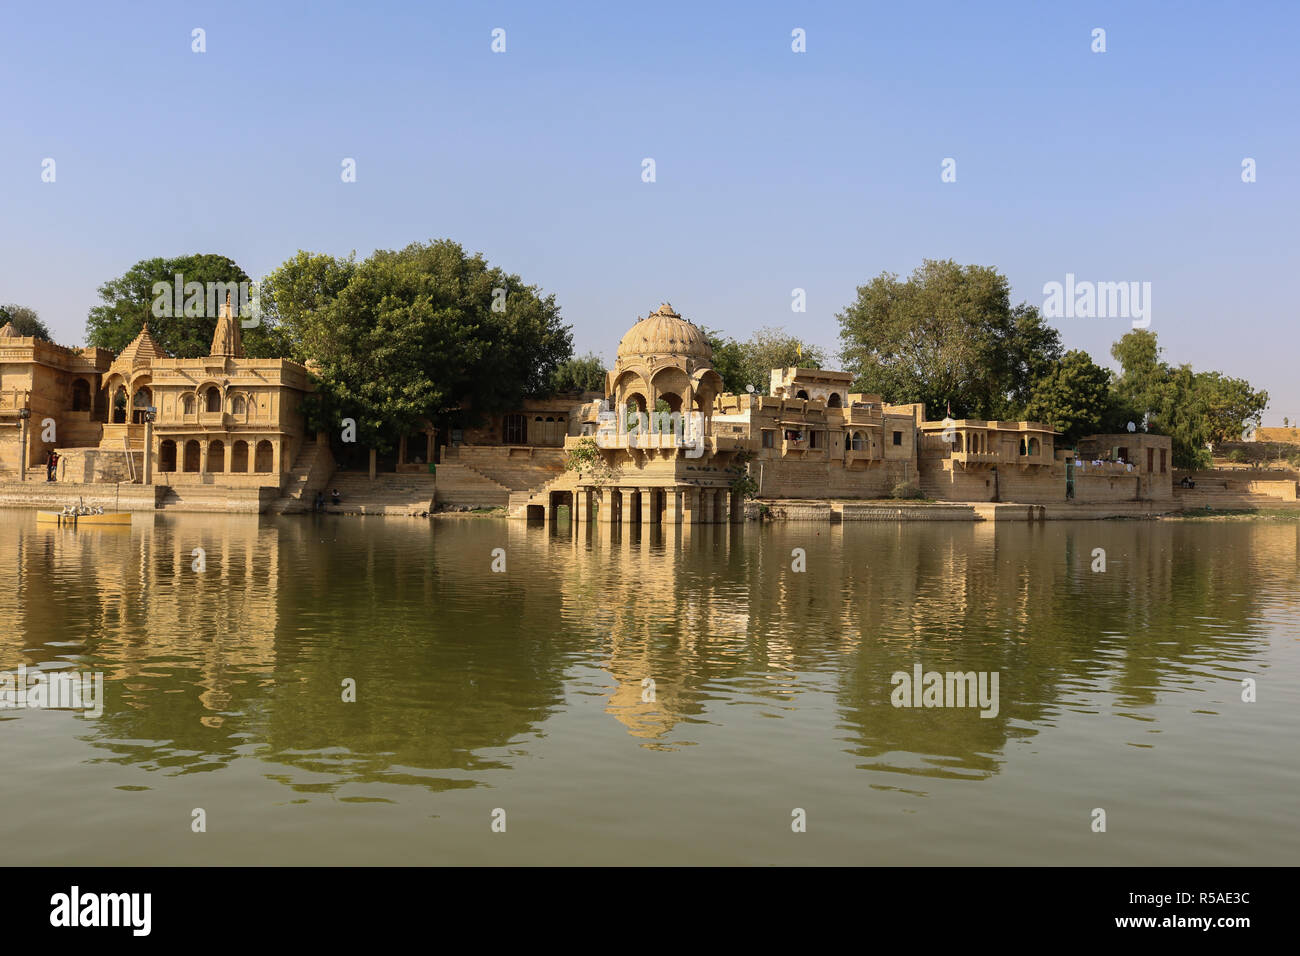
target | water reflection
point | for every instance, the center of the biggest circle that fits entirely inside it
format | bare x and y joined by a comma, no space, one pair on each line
461,670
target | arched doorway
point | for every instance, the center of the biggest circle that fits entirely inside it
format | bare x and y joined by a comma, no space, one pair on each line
191,455
239,457
119,405
167,455
264,458
213,399
834,401
216,456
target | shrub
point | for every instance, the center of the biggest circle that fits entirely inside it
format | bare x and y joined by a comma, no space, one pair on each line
905,489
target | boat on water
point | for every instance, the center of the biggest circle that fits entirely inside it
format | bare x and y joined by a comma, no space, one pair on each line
79,514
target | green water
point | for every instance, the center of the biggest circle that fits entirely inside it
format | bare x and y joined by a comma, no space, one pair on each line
523,691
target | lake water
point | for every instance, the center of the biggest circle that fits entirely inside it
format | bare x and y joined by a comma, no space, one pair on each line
525,691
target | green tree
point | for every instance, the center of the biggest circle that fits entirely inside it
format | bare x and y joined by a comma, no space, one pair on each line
1168,398
423,333
770,348
26,321
727,360
1231,405
127,303
1074,397
585,374
948,334
741,364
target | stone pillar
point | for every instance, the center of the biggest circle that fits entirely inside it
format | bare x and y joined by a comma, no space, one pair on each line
203,457
229,447
737,508
722,505
580,506
649,514
374,463
276,449
548,517
625,506
673,506
690,505
148,454
22,452
401,450
606,518
428,445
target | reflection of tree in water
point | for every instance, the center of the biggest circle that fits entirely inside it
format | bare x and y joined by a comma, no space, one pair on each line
1028,605
442,674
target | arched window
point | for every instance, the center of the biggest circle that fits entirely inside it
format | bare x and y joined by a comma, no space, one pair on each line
859,441
237,405
834,401
187,405
1023,446
801,394
956,441
214,399
1033,446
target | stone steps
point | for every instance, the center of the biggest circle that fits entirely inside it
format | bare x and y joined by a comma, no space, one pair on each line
516,473
388,494
461,485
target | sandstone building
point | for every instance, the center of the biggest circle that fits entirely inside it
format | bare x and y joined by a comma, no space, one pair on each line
663,443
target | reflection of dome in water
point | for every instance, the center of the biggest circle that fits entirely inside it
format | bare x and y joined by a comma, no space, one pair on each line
664,332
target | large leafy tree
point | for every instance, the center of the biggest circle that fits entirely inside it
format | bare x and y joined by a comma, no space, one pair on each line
1195,409
127,303
584,374
1231,405
26,321
947,335
423,333
741,364
1074,397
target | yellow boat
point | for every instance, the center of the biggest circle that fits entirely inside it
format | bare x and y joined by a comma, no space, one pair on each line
107,518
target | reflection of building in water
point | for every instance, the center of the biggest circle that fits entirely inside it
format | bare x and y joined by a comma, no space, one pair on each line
130,602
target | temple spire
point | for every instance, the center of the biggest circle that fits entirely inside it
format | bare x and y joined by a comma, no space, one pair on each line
226,340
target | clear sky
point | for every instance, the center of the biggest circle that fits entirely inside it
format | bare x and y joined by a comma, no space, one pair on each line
775,170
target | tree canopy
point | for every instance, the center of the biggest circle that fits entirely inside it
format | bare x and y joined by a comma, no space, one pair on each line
127,303
26,321
1195,409
1074,397
947,335
425,333
751,362
585,374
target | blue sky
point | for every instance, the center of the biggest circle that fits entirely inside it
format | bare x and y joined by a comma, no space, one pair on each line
775,170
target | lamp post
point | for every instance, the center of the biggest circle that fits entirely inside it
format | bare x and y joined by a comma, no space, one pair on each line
150,413
23,415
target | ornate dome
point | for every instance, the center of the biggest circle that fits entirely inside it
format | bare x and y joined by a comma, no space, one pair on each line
9,332
663,333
